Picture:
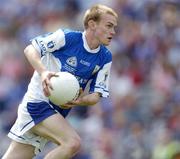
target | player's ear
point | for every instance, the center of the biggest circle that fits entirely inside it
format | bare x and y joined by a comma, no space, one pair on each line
92,24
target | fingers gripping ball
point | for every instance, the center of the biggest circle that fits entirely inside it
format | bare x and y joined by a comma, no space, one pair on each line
65,88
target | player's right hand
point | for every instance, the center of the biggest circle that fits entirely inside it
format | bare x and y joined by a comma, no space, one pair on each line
46,84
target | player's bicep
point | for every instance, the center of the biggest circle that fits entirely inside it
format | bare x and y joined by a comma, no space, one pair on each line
100,83
49,42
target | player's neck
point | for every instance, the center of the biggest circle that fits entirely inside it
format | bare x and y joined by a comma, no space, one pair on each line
91,41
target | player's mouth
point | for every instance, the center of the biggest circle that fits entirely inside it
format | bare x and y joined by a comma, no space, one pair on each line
109,38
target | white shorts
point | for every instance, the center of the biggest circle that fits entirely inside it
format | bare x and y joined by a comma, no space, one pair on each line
30,139
30,114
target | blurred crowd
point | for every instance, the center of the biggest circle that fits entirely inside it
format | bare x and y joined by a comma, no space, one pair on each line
141,119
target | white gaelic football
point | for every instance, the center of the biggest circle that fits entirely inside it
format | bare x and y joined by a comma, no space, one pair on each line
65,88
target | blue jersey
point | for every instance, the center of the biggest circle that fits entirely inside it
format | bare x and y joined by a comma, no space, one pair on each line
72,54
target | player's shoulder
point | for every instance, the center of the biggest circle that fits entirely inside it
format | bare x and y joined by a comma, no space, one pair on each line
72,36
72,33
106,53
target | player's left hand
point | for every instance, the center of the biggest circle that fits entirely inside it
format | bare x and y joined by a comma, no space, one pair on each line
73,102
70,104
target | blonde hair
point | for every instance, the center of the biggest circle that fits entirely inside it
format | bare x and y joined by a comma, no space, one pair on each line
95,12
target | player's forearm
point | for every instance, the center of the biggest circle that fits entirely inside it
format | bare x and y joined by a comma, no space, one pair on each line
34,59
90,99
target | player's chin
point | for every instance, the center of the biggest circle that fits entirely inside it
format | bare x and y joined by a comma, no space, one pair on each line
106,43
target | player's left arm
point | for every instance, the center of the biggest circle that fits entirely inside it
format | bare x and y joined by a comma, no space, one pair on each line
87,100
99,87
83,100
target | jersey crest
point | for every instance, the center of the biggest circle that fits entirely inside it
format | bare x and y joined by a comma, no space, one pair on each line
72,61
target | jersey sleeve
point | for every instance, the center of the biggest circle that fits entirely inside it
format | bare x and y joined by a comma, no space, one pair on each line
100,82
49,42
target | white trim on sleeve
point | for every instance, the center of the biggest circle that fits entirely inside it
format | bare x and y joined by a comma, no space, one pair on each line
102,81
49,42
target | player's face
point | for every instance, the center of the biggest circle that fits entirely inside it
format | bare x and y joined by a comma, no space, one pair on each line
105,29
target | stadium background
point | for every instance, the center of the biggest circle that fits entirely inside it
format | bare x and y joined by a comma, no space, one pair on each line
141,120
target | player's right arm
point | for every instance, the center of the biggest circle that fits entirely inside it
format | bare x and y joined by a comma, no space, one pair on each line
39,47
34,59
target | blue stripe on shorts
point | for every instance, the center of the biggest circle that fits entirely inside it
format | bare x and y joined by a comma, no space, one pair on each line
42,110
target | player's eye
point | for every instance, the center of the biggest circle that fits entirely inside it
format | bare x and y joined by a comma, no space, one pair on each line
109,26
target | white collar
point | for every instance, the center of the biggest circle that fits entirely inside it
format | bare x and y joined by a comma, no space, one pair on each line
85,44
